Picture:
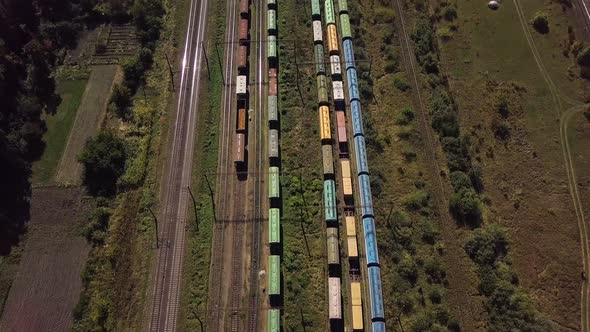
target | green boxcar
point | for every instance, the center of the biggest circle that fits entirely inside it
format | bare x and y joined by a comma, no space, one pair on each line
273,109
272,21
274,320
274,225
315,9
330,200
329,11
322,89
273,182
274,275
345,26
272,47
343,6
320,63
327,159
333,252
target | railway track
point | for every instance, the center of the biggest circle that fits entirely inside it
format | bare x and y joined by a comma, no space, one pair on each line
253,298
223,201
163,310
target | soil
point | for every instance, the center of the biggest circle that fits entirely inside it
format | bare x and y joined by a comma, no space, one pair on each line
88,120
47,285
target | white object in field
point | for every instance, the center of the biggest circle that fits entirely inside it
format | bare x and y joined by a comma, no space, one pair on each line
493,4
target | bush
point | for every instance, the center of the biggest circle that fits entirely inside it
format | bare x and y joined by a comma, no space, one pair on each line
405,117
384,15
103,158
460,180
121,100
541,23
501,130
435,269
400,84
96,230
416,200
583,58
450,13
488,245
466,206
407,268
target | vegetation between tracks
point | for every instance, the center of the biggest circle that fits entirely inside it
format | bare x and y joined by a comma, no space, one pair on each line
414,273
194,298
303,227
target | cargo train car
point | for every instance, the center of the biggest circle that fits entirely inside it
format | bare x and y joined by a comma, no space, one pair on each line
242,59
353,84
274,226
345,26
337,92
322,87
273,144
274,275
320,65
315,9
242,86
330,213
361,152
357,307
244,31
241,123
325,131
376,292
245,8
240,148
357,120
274,320
272,48
329,11
341,126
273,109
332,246
365,195
335,67
317,32
273,183
370,241
327,160
333,40
271,4
348,54
342,6
271,21
334,298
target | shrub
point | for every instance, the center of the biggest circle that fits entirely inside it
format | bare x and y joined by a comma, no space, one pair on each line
400,83
583,58
384,15
406,116
450,13
501,130
121,100
541,22
466,206
416,200
435,269
103,158
96,229
487,245
460,180
407,268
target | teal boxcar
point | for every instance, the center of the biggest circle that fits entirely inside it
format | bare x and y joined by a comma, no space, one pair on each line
272,48
329,11
320,63
343,6
322,86
274,275
273,182
315,9
345,26
274,320
274,225
333,252
330,200
272,21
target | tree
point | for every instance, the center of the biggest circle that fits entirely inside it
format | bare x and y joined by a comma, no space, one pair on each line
541,23
487,245
466,206
103,159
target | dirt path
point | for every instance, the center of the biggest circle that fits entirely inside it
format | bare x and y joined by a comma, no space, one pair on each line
567,158
88,118
47,285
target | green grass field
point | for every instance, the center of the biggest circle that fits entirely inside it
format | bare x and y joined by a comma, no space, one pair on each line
58,129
